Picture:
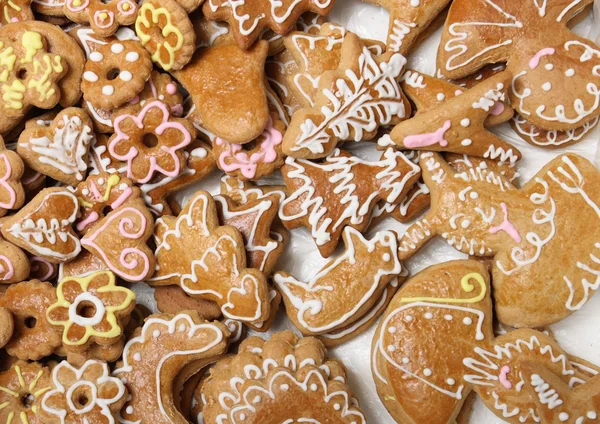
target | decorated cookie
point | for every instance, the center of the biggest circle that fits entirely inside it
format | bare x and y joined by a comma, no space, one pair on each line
327,196
21,390
33,337
115,73
83,394
156,354
415,355
100,194
480,32
83,265
12,194
241,113
44,226
16,11
483,214
166,32
254,218
248,20
347,286
457,124
352,102
150,141
281,70
172,299
59,150
551,139
161,86
194,252
104,17
282,379
120,241
41,269
49,8
14,265
90,309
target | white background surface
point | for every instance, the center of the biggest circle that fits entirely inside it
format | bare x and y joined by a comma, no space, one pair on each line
579,334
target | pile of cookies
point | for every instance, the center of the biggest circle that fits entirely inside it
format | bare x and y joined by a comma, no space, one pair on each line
110,108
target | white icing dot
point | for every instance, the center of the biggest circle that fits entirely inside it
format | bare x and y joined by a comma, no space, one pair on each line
161,97
123,186
465,122
242,416
117,48
257,399
451,382
125,76
549,66
546,86
474,195
387,257
426,372
405,360
156,333
129,410
465,223
563,416
108,90
448,317
440,97
409,318
96,56
199,152
570,72
100,181
592,415
415,3
137,356
132,56
467,321
90,76
285,387
85,192
428,315
466,142
392,330
337,406
313,387
391,348
182,328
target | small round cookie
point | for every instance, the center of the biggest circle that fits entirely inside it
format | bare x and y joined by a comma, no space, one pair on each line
166,31
115,73
22,387
33,337
105,17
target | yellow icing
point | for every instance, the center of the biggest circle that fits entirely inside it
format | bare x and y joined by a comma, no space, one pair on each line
20,376
126,7
23,416
112,182
10,392
76,3
4,405
10,417
142,21
466,286
14,6
14,94
43,83
84,283
7,60
32,42
104,16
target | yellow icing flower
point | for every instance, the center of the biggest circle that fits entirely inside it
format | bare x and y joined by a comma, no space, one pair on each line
148,18
21,391
90,307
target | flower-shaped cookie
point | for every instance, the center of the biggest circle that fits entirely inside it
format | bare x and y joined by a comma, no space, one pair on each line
90,309
21,390
104,17
151,141
83,395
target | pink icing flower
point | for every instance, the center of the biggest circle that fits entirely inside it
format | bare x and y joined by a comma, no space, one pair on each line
150,142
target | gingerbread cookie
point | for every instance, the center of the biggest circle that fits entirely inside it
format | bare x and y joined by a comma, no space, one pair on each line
83,265
120,241
162,87
281,70
325,197
44,226
49,8
248,20
41,269
59,150
7,326
21,390
480,32
15,11
193,251
105,17
551,139
150,141
282,379
165,30
483,214
115,73
347,286
33,337
156,354
415,355
352,103
83,394
12,195
172,299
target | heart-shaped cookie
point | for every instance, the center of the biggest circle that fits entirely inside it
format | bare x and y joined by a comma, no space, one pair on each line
120,241
44,226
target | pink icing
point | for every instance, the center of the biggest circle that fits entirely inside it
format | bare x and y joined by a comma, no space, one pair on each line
14,19
31,178
535,60
126,225
134,101
8,270
100,22
93,217
95,192
506,226
124,196
171,88
458,92
177,110
248,166
502,377
160,129
4,184
429,139
79,8
497,109
35,262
